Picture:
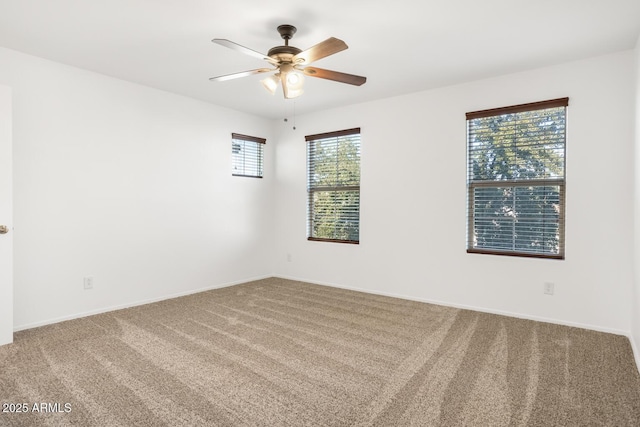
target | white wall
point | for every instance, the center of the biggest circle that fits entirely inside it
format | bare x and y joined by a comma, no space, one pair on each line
132,186
413,199
635,323
129,185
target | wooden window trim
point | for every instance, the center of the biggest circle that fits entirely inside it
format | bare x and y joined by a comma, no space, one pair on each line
248,138
335,134
317,239
531,106
515,254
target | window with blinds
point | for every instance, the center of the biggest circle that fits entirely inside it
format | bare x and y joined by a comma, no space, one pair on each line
516,179
333,186
247,155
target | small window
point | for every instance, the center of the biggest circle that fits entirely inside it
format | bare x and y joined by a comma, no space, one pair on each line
247,155
333,186
516,179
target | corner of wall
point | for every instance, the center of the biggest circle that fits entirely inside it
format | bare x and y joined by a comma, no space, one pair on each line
635,304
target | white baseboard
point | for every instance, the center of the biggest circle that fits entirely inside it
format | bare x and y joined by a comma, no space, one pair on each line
636,351
634,347
628,334
470,307
134,304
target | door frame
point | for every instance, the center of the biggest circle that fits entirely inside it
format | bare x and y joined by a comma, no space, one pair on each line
6,216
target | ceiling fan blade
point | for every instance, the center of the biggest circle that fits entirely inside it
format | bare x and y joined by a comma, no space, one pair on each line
321,50
334,75
242,49
241,74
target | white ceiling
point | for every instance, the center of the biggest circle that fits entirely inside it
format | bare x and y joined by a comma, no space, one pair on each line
401,46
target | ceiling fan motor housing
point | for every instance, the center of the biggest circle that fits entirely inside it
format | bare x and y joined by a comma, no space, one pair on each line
283,53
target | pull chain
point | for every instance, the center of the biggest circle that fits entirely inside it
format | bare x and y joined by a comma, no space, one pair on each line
294,116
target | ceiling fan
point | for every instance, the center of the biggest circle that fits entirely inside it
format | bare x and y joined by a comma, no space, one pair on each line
291,63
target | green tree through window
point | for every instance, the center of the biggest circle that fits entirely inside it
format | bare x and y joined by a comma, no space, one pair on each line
516,179
333,186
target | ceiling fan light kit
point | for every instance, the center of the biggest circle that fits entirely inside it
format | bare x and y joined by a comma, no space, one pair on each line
291,64
271,83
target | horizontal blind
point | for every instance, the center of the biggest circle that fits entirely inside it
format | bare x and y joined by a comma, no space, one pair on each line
247,155
517,218
516,179
333,185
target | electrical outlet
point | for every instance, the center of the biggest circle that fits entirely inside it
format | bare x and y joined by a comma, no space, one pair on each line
548,288
88,283
288,257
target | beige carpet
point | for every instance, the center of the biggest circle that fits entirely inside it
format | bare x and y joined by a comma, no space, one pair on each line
282,353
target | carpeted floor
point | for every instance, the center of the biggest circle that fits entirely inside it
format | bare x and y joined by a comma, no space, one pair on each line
276,352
